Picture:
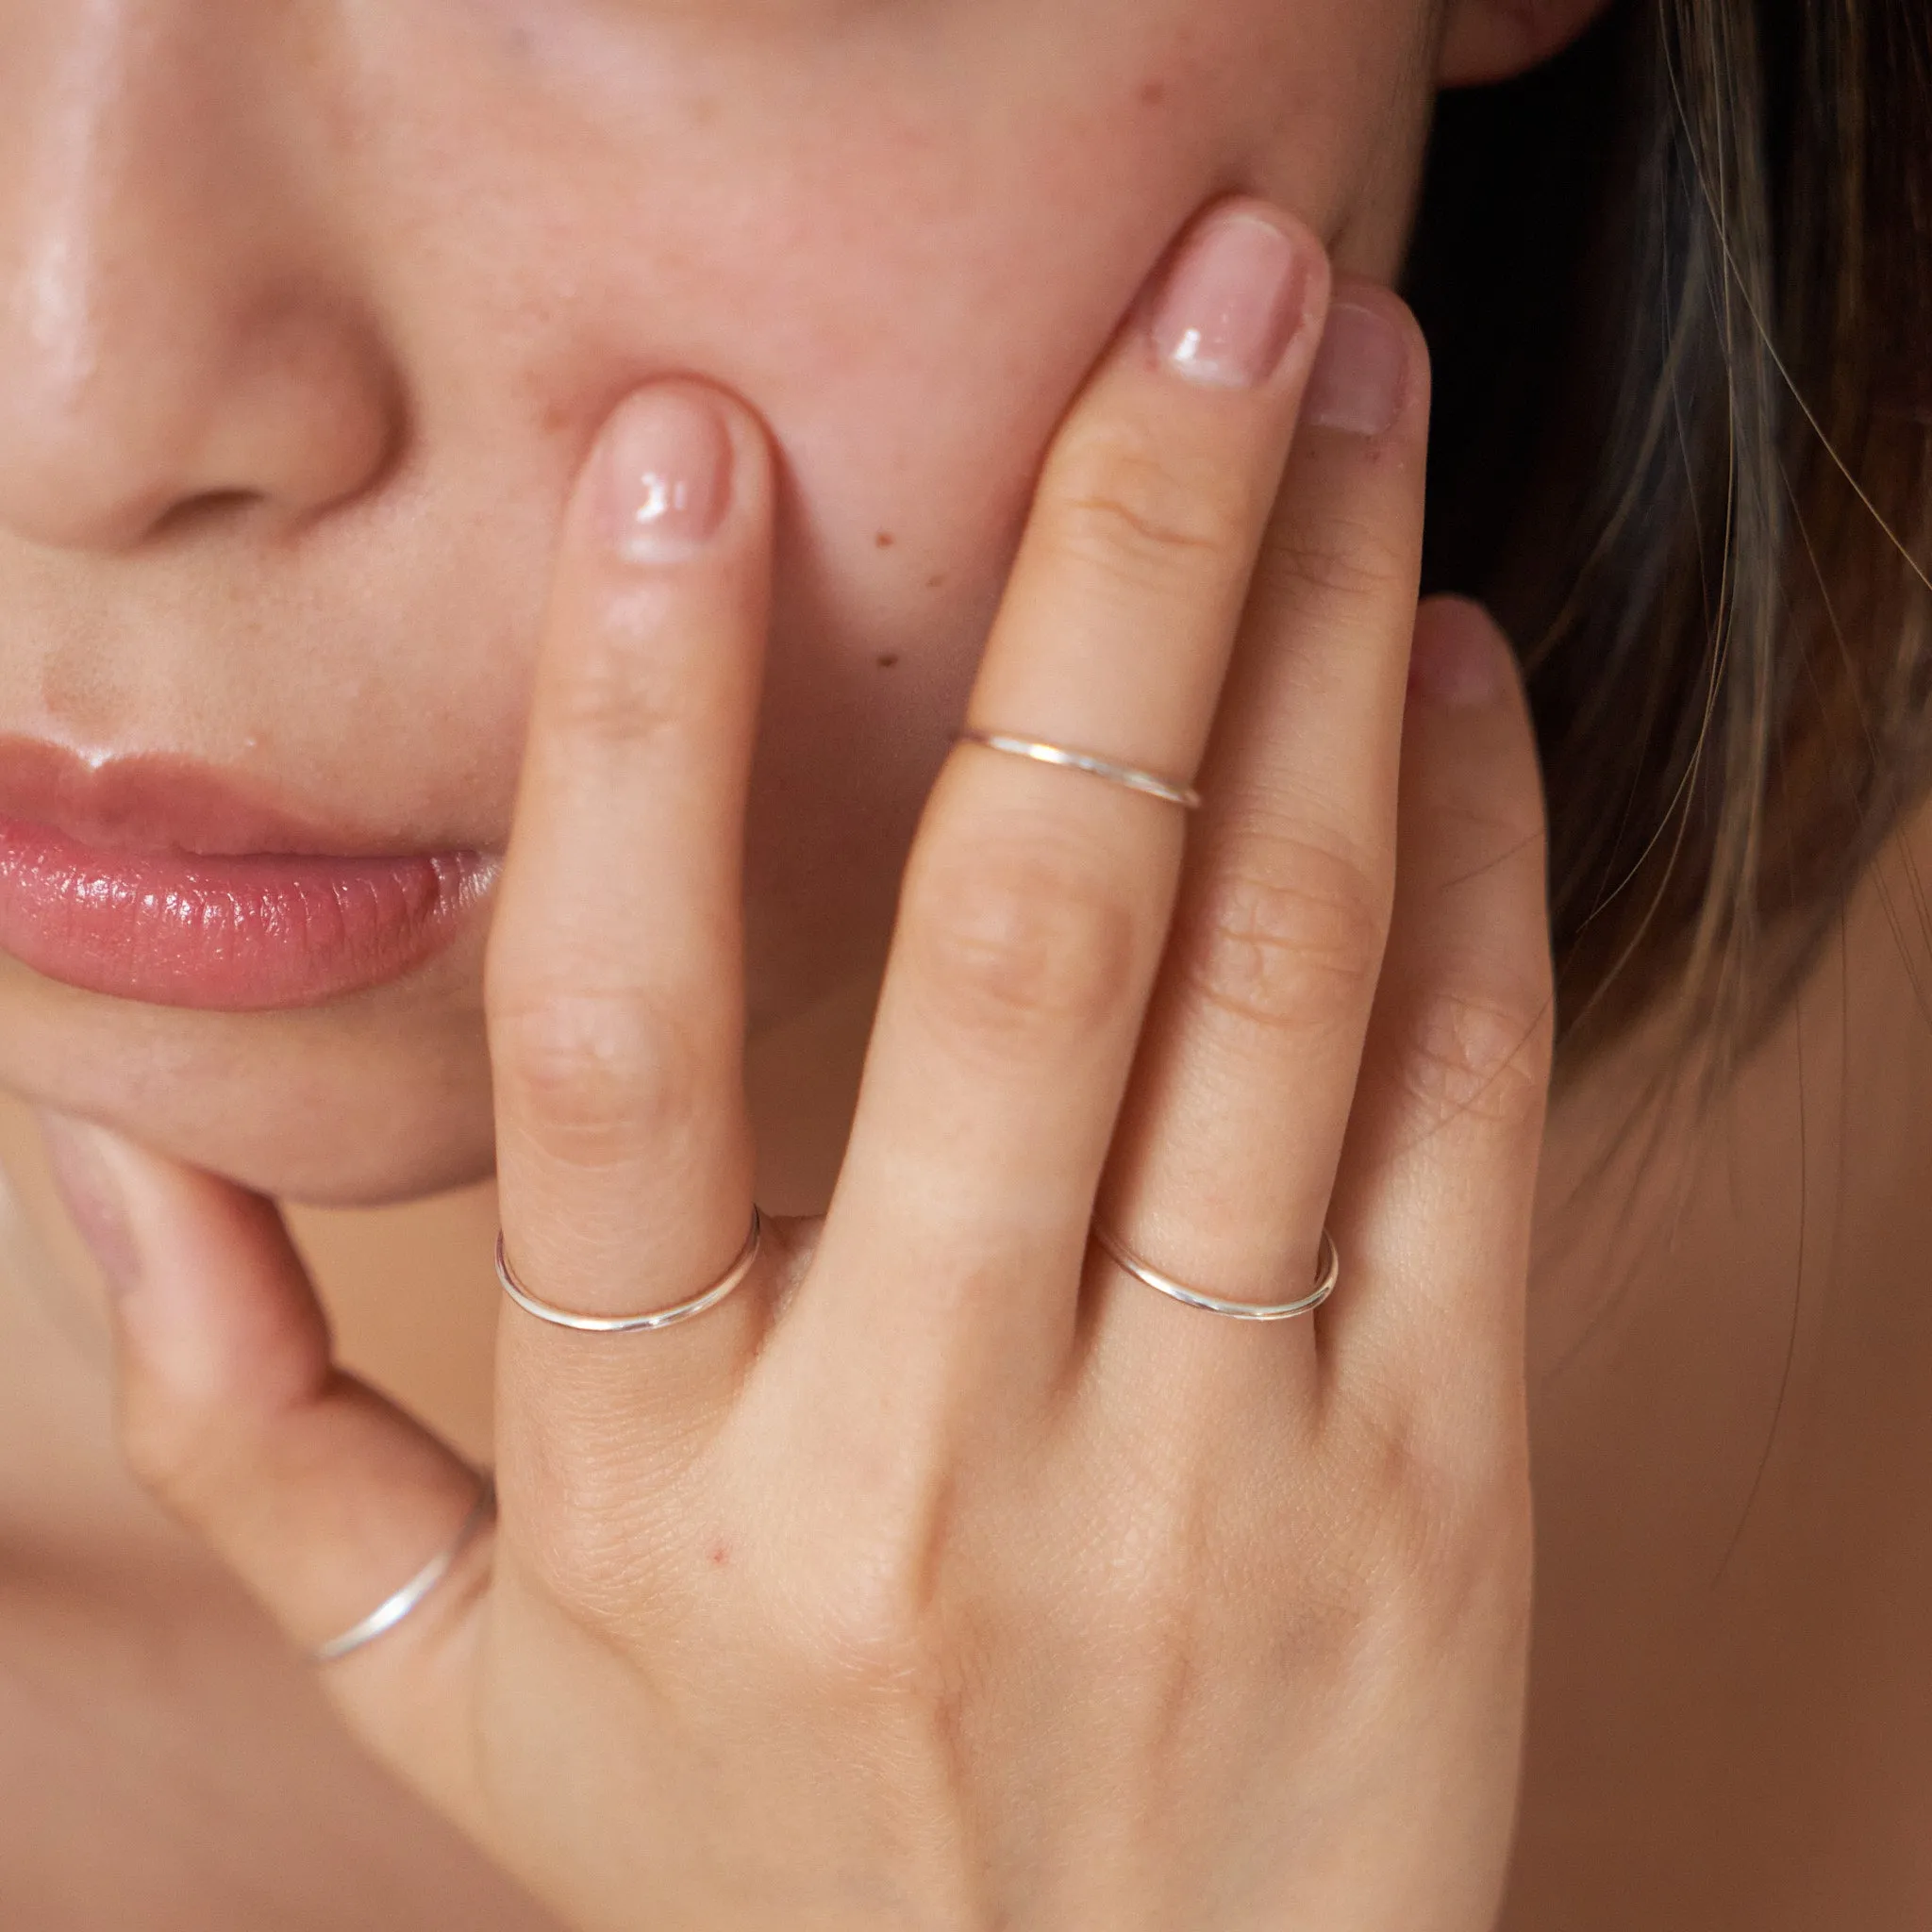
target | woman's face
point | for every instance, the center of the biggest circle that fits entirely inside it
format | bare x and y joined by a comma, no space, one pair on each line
308,313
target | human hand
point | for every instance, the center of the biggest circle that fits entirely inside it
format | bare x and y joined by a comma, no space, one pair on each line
945,1575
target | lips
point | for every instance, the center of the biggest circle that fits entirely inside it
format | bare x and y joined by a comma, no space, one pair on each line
162,881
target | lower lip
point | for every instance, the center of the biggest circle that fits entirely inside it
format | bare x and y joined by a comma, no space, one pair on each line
226,934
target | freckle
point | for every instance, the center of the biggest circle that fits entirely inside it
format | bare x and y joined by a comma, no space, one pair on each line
937,583
884,540
888,660
1153,93
71,693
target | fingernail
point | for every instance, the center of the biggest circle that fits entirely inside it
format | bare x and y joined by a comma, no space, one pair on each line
1233,303
84,1175
1459,660
1360,373
667,475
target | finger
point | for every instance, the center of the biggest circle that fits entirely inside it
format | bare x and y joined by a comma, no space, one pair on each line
1037,900
1439,1178
322,1497
615,980
1227,1159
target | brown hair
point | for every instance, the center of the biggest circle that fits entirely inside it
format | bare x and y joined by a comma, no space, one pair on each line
1684,446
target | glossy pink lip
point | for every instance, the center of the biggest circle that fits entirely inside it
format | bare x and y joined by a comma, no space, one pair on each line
158,881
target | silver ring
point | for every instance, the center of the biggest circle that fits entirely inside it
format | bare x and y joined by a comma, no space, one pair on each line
1328,1273
1151,783
393,1609
634,1325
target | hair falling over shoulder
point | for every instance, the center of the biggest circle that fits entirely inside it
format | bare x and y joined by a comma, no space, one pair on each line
1684,448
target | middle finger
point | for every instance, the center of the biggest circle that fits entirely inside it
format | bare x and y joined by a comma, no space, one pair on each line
1036,901
1233,1126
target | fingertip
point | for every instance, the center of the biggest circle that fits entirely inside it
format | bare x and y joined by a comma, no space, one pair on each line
1460,659
677,466
80,1162
1372,377
211,1299
1245,282
1469,737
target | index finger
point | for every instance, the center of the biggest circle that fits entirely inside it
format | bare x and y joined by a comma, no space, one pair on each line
615,978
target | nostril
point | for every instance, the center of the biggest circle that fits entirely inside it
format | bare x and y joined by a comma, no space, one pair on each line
244,421
211,507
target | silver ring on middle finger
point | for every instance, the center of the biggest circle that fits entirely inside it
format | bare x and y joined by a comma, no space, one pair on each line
1150,783
1328,1274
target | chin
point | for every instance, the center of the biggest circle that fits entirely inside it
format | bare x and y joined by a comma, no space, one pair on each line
365,1103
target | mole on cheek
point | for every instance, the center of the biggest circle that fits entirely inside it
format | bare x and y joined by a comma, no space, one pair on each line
884,540
1153,93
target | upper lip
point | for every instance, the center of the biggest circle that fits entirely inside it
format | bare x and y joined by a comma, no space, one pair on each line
154,803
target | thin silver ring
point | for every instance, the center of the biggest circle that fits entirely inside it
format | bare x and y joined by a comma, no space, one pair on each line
1328,1274
634,1325
1151,783
393,1609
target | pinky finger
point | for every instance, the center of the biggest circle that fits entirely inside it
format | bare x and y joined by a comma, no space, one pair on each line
1439,1172
320,1495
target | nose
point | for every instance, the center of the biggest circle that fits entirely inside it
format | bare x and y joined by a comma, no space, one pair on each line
177,334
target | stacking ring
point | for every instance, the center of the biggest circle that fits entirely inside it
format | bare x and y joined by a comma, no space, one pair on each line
1328,1274
1151,783
414,1593
634,1325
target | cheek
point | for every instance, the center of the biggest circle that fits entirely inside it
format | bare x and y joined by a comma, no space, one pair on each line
905,258
905,255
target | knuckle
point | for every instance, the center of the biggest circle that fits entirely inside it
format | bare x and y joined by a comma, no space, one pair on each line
874,1633
1287,940
1164,1596
1452,1541
1335,559
168,1415
587,1548
1140,510
585,1567
161,1447
1019,940
590,1072
1479,1054
175,1446
1444,1517
871,1635
620,685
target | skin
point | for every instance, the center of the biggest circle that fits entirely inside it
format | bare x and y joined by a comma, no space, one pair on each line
765,1633
376,408
414,322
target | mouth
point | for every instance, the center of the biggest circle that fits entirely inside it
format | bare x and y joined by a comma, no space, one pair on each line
164,881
